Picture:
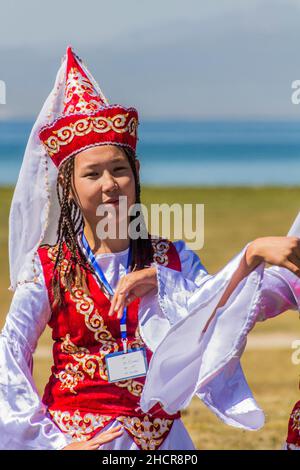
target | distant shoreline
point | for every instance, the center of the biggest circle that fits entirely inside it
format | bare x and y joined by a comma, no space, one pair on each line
199,187
198,153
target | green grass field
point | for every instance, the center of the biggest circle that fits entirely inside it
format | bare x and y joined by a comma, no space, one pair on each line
233,217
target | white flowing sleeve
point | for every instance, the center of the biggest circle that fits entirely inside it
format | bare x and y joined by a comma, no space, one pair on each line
280,292
176,287
188,361
157,312
24,423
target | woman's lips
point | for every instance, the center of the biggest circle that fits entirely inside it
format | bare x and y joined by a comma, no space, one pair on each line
114,202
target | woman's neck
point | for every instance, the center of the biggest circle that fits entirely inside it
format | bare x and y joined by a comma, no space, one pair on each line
104,246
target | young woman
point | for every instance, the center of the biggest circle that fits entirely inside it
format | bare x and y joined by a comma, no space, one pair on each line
138,325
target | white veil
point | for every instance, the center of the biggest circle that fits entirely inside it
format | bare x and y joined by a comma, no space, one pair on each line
35,210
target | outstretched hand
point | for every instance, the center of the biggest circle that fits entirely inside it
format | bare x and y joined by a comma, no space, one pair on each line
279,251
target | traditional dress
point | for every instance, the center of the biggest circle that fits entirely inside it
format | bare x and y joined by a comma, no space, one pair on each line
209,367
184,361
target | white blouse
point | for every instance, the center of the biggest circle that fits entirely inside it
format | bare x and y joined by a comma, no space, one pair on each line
185,360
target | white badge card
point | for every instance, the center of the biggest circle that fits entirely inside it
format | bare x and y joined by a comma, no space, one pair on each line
121,366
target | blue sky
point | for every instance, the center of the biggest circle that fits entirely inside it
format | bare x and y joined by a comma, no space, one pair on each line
170,59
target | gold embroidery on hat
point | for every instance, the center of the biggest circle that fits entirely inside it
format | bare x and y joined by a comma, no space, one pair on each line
76,87
84,126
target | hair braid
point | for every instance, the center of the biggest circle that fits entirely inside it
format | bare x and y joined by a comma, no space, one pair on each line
70,223
142,251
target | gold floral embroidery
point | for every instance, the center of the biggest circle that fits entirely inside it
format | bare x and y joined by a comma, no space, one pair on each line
70,377
79,427
94,321
84,358
52,252
99,124
76,87
160,248
85,306
137,342
70,348
89,364
133,386
147,433
64,265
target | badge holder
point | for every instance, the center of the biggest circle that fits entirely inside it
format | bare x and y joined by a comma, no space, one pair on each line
126,364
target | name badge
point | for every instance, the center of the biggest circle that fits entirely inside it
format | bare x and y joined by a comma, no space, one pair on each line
121,366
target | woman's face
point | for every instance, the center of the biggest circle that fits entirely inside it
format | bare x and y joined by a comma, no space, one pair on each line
101,175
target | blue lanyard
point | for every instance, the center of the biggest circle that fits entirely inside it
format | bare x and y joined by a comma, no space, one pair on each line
101,275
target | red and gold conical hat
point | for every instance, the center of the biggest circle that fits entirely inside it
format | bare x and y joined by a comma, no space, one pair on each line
87,118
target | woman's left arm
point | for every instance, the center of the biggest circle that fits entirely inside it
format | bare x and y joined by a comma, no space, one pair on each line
210,337
280,289
277,294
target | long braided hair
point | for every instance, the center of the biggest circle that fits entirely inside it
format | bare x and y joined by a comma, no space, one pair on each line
71,222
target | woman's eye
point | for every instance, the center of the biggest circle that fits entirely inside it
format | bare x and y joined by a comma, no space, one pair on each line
120,168
92,174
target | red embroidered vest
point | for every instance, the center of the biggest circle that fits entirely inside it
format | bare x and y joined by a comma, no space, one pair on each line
78,396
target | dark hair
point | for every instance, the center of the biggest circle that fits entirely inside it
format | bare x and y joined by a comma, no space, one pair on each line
71,222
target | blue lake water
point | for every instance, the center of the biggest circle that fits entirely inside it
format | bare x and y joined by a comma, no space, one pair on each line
205,153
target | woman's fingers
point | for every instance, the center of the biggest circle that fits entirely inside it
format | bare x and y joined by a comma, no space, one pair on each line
110,437
130,298
294,255
95,442
293,266
295,259
114,307
118,301
113,303
107,436
123,295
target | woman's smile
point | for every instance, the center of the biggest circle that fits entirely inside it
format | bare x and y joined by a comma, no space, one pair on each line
113,202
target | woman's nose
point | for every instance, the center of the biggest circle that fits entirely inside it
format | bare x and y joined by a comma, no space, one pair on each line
108,183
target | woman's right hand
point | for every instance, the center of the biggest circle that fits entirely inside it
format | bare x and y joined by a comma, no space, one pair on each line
96,441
